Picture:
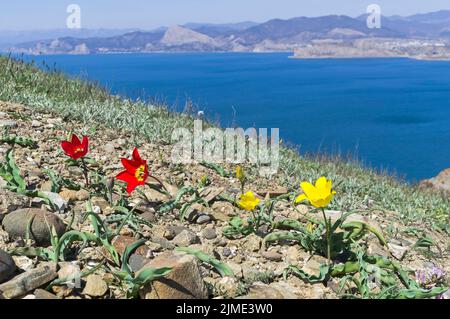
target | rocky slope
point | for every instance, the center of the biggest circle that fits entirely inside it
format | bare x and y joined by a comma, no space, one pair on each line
238,264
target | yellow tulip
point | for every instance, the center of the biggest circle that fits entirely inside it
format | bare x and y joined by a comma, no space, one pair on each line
319,195
248,201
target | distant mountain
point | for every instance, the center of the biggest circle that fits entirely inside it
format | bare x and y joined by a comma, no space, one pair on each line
15,37
273,35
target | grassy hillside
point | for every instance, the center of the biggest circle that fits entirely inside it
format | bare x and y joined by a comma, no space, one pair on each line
359,188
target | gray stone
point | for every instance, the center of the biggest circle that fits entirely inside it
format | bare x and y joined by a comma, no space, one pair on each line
7,266
203,219
137,262
272,255
186,238
183,282
8,123
398,252
57,200
148,216
28,281
209,233
15,224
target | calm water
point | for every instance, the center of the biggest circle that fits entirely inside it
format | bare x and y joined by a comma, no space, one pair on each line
392,113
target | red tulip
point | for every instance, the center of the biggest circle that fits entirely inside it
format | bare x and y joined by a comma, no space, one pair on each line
75,149
136,171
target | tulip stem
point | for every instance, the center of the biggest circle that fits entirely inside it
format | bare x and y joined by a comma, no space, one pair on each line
327,235
85,171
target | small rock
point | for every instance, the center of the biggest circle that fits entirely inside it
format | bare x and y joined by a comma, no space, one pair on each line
209,233
120,243
184,281
155,196
227,287
72,195
272,255
15,223
60,203
7,266
252,243
70,273
203,219
148,216
292,255
95,286
398,252
273,192
137,262
8,123
279,290
223,211
44,295
186,238
35,123
28,281
163,242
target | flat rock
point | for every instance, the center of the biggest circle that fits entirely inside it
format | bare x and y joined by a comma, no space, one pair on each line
279,290
44,295
272,255
60,203
183,282
15,224
7,266
273,192
28,281
95,286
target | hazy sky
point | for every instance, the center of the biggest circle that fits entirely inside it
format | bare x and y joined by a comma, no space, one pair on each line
147,14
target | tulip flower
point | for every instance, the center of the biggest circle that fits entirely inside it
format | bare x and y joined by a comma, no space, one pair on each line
77,149
248,201
319,195
74,148
136,171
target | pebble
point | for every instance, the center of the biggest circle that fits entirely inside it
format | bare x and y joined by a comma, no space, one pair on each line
209,233
186,238
95,286
272,255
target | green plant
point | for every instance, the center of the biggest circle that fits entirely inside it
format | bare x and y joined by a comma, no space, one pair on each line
134,282
222,268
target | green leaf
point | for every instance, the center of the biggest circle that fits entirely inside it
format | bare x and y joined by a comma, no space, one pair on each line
222,268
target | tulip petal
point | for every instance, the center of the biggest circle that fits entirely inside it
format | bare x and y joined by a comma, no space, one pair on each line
136,155
130,166
300,198
308,189
67,147
321,183
75,140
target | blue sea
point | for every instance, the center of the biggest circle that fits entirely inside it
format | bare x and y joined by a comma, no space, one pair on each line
392,114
